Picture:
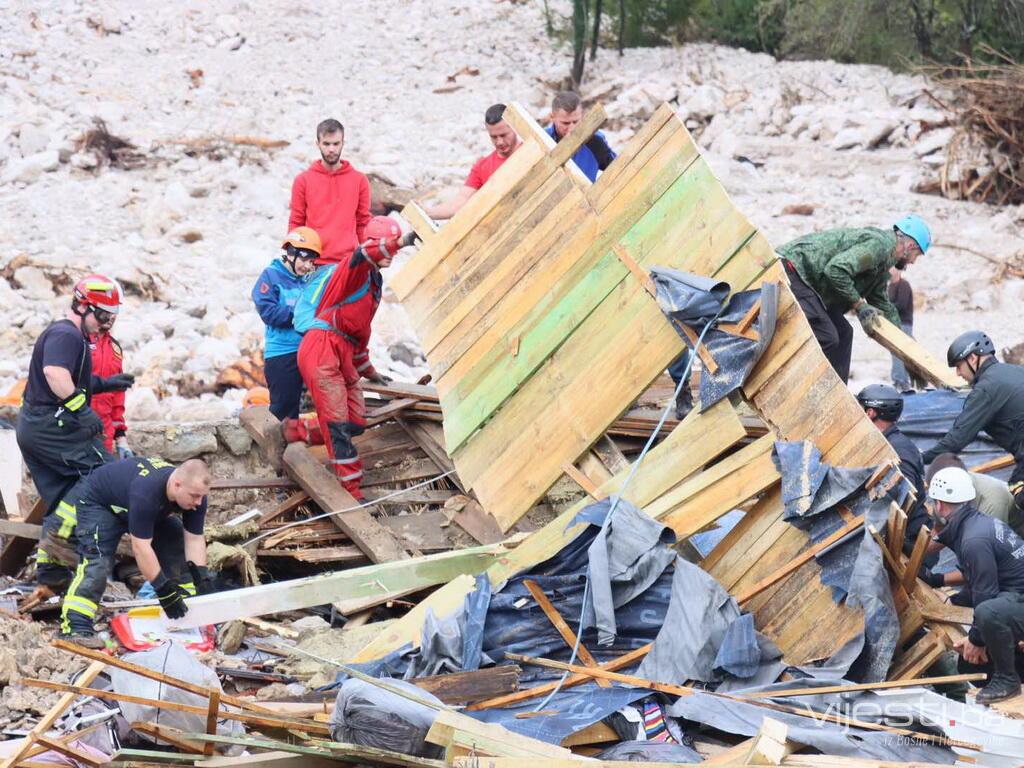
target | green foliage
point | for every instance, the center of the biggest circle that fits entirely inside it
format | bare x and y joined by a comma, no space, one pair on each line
895,33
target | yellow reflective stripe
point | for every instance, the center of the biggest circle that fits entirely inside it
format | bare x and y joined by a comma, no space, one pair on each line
75,402
75,584
99,285
68,508
118,510
190,588
42,557
69,515
80,605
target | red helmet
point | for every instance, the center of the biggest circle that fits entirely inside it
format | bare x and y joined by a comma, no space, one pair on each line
98,292
381,238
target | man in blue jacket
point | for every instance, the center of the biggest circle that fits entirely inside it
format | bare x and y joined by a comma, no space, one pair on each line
275,294
566,112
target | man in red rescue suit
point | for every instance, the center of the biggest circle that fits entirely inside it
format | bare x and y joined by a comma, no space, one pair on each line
334,314
107,360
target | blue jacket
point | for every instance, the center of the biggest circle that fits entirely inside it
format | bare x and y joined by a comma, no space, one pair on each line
275,294
593,156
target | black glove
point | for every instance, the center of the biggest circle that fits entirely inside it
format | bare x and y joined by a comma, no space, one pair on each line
117,383
869,317
931,578
171,597
202,578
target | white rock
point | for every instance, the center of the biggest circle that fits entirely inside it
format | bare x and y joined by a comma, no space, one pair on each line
142,404
32,139
29,169
933,141
34,284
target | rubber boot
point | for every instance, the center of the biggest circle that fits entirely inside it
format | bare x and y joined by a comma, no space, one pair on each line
345,462
1004,683
684,402
95,642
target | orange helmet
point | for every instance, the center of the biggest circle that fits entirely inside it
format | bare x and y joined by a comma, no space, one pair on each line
303,239
256,396
98,292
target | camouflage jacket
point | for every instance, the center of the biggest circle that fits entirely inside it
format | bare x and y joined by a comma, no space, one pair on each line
845,265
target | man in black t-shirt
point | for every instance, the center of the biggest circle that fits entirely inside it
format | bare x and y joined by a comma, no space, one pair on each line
163,509
59,435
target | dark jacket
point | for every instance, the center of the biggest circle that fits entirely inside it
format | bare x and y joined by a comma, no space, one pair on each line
991,556
912,469
995,405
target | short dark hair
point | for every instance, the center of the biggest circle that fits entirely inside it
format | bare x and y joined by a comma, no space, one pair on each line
943,461
494,114
565,101
330,125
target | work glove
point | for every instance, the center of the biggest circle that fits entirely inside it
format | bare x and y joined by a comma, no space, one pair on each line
123,451
869,317
379,378
117,383
171,596
931,578
202,578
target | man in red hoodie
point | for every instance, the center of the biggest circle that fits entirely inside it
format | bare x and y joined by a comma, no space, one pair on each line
332,197
334,314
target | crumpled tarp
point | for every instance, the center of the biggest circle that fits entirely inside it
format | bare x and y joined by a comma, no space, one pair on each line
370,716
810,486
745,719
626,557
698,617
695,301
927,416
650,752
453,643
811,490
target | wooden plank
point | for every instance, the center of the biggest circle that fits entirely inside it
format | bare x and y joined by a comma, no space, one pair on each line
434,251
563,628
579,135
1002,462
18,528
251,718
99,657
451,729
172,736
211,720
17,549
918,360
584,482
611,455
388,411
915,560
596,672
355,587
366,533
798,561
879,686
407,471
626,660
477,523
78,755
946,613
320,748
47,721
265,430
423,531
424,226
446,600
430,438
286,507
473,686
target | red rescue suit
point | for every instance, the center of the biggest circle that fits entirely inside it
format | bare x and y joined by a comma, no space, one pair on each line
334,355
109,406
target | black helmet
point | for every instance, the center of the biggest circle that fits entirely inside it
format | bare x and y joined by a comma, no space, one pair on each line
886,400
970,343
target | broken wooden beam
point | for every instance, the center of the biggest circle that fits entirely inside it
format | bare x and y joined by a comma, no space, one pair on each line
917,359
473,686
17,549
365,585
265,430
366,533
18,528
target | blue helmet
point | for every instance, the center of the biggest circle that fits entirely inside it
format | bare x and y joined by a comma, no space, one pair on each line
914,227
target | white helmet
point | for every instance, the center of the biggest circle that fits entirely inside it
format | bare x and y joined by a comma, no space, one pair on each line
953,485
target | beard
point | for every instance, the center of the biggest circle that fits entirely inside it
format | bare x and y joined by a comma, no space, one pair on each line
330,159
900,264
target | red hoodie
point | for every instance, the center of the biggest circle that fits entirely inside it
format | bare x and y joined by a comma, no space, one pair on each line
334,203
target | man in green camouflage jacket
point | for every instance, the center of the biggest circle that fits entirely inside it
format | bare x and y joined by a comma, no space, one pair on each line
841,270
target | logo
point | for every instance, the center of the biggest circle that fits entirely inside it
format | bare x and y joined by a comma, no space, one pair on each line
264,288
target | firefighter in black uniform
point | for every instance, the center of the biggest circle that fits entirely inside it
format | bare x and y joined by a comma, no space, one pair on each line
991,557
140,497
995,404
884,406
59,434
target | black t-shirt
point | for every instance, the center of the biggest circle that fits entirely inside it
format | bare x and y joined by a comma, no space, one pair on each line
902,297
138,487
62,345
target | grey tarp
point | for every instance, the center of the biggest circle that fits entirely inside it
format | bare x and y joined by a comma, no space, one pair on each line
453,643
629,553
810,486
699,614
745,719
695,301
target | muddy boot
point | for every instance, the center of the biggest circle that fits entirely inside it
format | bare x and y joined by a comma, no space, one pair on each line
95,642
999,689
684,402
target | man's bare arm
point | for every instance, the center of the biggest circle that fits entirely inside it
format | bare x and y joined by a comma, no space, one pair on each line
60,381
450,208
